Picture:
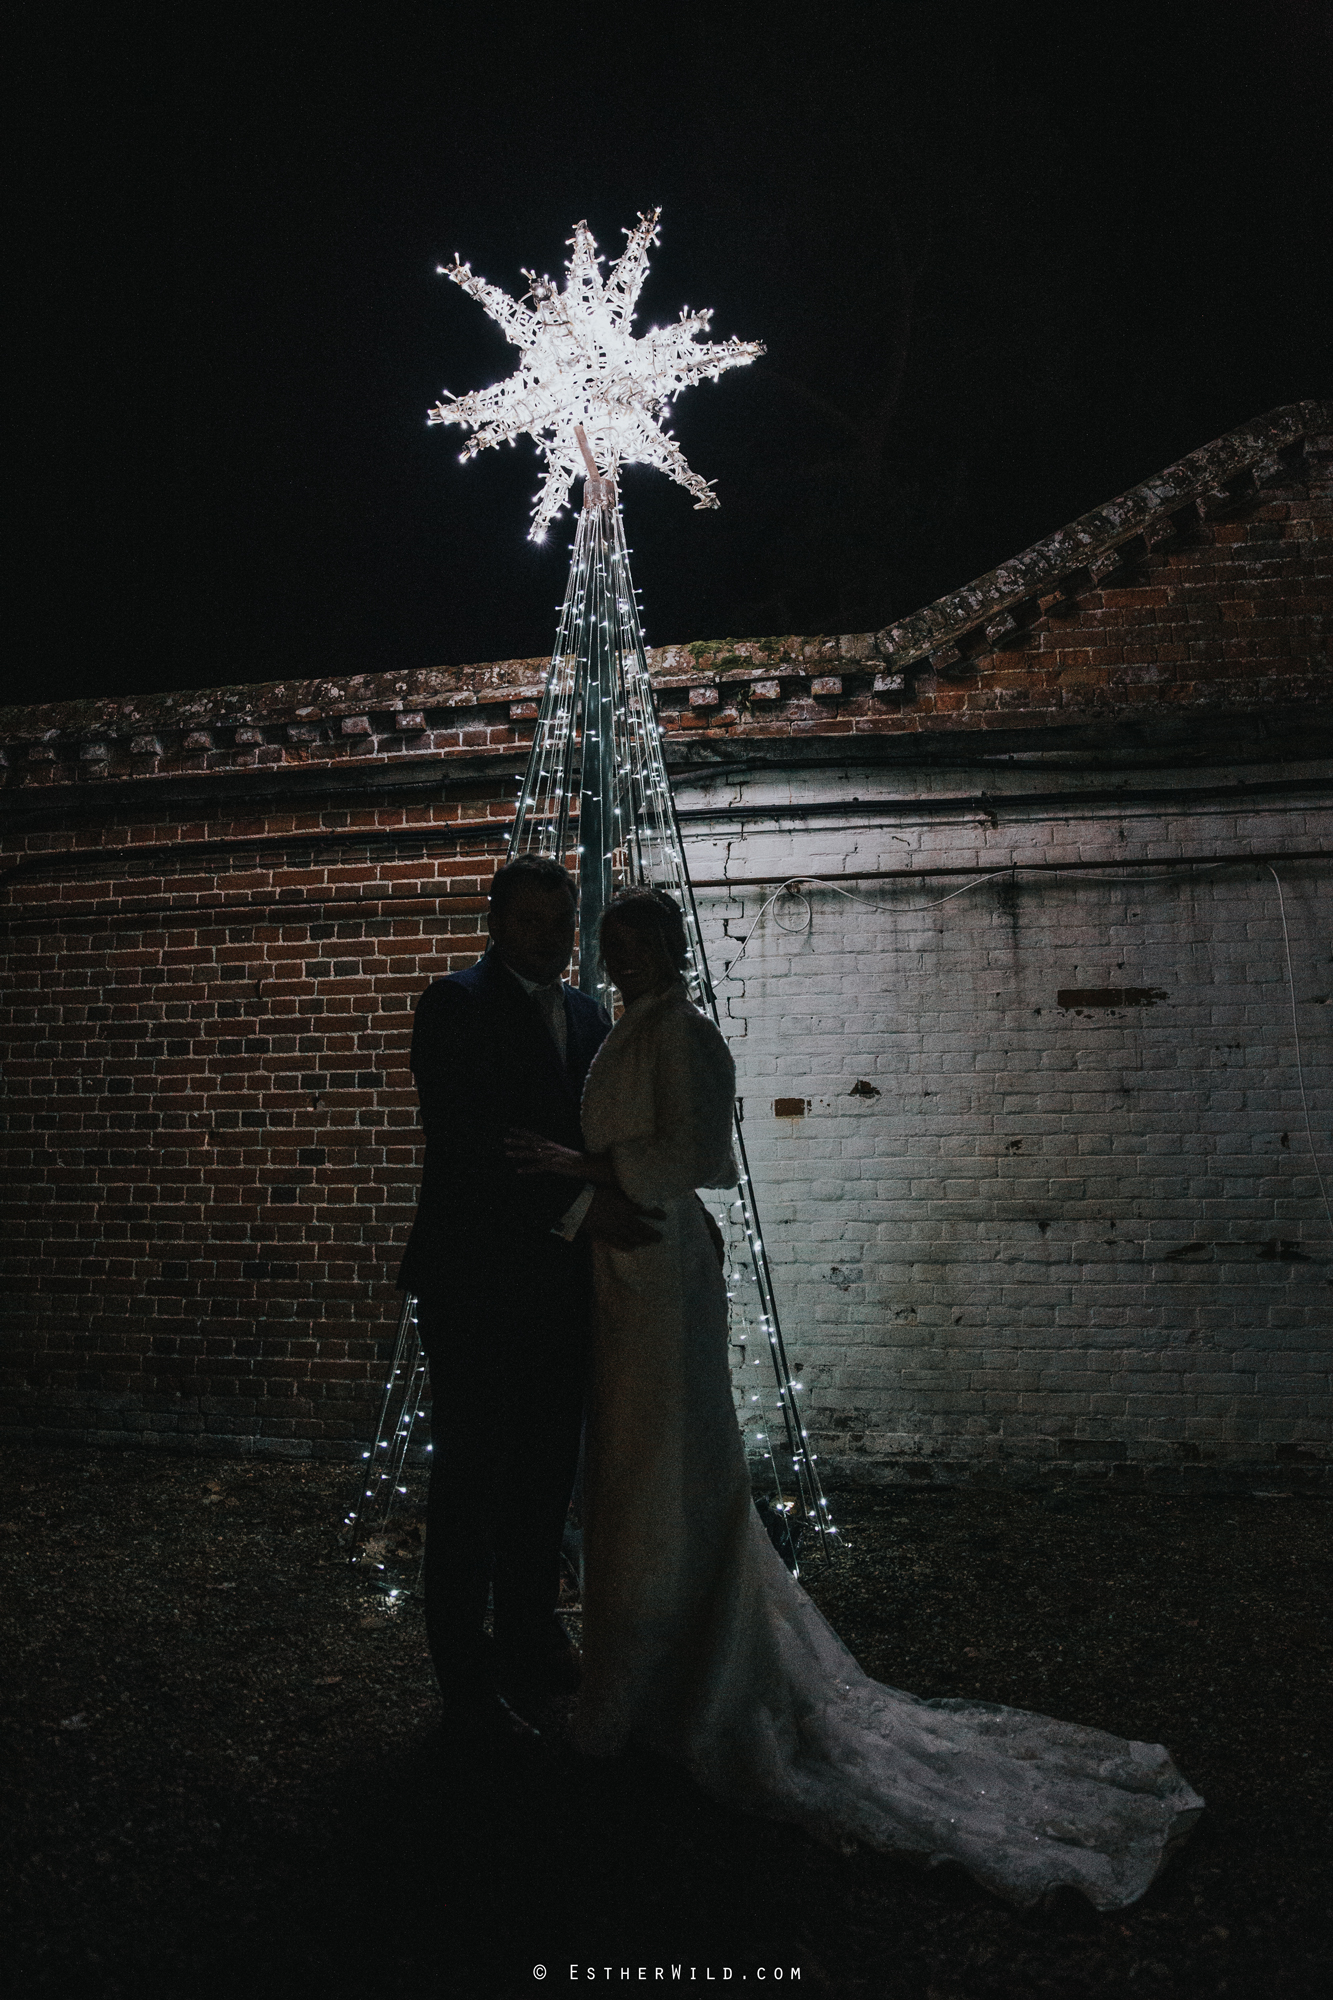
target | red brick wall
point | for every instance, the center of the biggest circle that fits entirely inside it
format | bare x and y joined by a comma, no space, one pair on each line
1222,609
1206,615
213,1147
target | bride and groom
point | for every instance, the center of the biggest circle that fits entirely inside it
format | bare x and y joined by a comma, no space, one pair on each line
567,1275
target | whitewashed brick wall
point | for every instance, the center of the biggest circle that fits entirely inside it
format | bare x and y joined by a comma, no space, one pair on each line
1007,1232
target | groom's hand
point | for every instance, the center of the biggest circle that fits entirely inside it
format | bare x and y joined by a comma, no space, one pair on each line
613,1218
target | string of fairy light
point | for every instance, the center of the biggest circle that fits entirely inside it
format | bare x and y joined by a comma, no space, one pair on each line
598,742
595,794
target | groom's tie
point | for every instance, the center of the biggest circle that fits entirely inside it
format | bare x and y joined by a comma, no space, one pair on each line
551,1000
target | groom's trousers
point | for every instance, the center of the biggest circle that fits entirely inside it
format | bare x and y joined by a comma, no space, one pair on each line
507,1381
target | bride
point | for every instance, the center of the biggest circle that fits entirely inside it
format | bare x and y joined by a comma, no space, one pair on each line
698,1643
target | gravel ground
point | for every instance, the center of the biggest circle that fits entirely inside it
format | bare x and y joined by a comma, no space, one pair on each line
227,1774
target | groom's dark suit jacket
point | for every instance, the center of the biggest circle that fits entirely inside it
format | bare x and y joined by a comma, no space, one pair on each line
484,1060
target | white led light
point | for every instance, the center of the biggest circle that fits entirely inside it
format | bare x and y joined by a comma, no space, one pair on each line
580,365
593,397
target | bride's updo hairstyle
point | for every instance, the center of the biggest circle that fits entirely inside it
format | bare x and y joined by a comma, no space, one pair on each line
651,913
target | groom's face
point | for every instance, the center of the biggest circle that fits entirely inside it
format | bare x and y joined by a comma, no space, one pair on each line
534,932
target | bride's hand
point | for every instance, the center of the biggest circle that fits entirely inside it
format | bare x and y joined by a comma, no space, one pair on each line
530,1153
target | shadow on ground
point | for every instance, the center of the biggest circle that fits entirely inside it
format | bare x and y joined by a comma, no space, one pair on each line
227,1772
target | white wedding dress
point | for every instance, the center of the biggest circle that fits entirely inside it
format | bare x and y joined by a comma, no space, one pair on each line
700,1645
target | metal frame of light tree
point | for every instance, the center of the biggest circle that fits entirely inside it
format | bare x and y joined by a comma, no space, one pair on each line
598,743
596,796
583,374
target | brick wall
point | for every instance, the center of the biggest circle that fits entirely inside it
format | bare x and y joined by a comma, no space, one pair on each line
212,1148
221,906
1048,1197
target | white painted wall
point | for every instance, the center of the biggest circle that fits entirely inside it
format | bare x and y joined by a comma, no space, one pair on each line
1051,1236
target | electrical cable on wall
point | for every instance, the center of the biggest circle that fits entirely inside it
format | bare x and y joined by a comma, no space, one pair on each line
1296,1037
798,930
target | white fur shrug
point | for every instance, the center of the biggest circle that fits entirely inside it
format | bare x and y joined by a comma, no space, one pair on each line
659,1099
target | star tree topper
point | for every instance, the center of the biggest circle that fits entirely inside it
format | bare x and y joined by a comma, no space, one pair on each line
580,367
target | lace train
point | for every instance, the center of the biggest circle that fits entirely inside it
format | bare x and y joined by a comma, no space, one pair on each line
1025,1803
700,1644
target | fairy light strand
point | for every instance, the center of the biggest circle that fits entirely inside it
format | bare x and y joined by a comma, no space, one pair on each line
380,1475
595,794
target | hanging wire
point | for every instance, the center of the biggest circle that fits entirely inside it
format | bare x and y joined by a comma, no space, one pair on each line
792,887
1296,1037
885,911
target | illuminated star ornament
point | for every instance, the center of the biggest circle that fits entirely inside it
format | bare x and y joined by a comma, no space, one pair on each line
581,368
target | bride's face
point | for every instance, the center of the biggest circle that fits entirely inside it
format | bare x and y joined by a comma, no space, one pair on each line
635,961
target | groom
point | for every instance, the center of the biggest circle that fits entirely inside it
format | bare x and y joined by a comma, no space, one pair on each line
500,1265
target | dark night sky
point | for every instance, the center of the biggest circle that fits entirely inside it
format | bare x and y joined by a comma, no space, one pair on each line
1006,261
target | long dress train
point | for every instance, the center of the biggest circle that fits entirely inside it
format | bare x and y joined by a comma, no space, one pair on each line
700,1645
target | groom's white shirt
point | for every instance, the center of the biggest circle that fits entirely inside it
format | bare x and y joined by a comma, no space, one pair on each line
551,1000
